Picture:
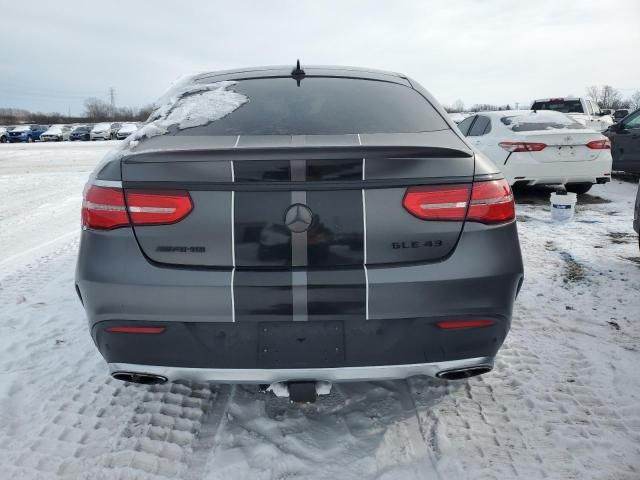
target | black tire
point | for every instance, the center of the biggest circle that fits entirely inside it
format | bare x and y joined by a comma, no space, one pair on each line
3,140
578,188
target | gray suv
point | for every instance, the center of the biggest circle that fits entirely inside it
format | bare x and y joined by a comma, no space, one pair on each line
328,224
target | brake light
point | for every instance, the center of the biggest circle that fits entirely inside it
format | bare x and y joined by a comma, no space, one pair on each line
485,202
522,146
491,202
105,208
449,325
158,207
603,144
144,330
438,202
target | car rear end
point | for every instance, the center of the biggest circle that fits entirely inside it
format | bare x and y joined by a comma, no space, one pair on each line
326,228
101,131
551,148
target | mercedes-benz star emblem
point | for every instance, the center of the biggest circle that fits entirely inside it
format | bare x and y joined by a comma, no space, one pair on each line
298,218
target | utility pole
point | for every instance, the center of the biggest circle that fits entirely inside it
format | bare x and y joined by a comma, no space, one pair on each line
112,100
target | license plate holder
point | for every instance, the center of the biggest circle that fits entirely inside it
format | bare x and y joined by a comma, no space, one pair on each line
301,344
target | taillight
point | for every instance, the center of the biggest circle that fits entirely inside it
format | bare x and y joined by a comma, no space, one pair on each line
438,202
522,146
603,144
158,207
486,202
104,208
491,202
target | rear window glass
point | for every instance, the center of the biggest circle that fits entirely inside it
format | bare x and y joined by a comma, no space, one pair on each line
322,106
481,126
564,106
541,121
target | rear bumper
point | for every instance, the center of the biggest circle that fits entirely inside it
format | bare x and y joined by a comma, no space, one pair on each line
119,286
523,169
255,351
333,375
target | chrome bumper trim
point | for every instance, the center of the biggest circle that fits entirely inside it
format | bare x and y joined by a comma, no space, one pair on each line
342,374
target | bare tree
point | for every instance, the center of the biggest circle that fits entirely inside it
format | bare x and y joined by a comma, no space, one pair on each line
96,109
609,97
593,92
634,100
458,106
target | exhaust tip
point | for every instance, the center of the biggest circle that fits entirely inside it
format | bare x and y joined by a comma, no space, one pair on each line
141,378
462,373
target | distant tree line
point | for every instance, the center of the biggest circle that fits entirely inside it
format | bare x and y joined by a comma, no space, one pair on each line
605,96
458,107
95,110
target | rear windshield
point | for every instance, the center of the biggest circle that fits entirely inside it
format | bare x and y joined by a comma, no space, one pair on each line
321,106
535,121
564,106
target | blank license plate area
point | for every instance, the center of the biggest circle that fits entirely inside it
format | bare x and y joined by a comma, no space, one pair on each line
301,344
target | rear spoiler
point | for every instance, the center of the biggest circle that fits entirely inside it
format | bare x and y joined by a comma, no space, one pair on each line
295,153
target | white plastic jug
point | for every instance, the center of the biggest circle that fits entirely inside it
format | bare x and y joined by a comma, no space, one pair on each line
563,206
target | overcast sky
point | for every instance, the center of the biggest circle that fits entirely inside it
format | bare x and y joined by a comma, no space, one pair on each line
55,54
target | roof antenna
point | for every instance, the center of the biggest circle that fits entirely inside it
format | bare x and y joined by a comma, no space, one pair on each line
298,73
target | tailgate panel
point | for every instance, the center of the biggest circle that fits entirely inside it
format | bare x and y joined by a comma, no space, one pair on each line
246,200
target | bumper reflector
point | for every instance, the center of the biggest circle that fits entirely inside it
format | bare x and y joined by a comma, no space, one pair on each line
464,324
146,330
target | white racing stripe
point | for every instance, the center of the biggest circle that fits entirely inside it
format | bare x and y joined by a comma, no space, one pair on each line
233,240
364,240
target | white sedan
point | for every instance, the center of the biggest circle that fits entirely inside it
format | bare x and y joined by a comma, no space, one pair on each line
56,133
102,131
541,148
125,130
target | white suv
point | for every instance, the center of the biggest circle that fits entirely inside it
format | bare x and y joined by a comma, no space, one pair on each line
583,110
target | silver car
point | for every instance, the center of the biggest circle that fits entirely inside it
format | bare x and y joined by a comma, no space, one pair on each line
319,225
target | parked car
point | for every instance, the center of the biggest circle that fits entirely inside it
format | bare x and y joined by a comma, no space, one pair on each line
27,133
541,147
56,133
625,143
620,114
114,129
373,277
4,134
101,131
125,130
81,132
583,110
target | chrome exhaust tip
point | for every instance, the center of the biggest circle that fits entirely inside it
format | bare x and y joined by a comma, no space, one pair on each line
466,372
141,378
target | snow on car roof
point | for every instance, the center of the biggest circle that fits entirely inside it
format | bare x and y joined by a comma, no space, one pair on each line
537,120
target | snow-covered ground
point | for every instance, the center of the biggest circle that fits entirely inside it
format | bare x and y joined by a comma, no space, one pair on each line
562,403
